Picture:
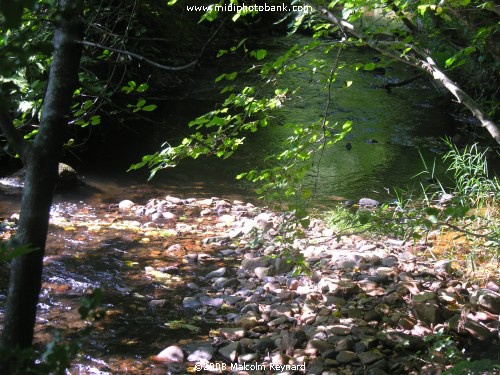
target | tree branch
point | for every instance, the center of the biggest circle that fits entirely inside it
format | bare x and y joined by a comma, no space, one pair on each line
425,63
154,63
140,57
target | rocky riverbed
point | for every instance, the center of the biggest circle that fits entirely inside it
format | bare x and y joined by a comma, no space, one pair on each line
203,286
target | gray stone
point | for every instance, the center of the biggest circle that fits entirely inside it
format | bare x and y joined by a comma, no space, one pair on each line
232,334
386,272
340,330
205,352
283,265
216,273
424,297
262,272
426,312
212,302
370,357
173,354
345,357
320,345
224,282
368,202
191,303
345,343
176,368
487,299
389,261
443,265
252,263
230,351
125,205
214,239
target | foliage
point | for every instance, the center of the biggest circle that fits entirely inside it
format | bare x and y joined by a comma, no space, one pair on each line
7,253
443,347
470,171
465,367
461,226
58,353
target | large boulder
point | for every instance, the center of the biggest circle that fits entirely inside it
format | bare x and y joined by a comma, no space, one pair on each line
68,178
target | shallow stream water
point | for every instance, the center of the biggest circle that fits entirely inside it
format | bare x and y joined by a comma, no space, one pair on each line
390,132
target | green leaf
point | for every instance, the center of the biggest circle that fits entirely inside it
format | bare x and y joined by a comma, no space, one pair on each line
95,120
142,87
369,66
260,54
149,108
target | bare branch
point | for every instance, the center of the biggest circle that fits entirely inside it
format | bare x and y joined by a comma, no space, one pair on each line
140,57
154,63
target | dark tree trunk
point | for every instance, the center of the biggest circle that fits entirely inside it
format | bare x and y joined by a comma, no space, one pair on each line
41,159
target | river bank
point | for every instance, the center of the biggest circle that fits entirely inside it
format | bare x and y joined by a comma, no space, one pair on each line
204,282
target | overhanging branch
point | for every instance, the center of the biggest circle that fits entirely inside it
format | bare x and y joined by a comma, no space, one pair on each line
140,57
154,63
424,62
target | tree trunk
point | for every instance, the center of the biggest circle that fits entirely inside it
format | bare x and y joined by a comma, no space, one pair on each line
41,159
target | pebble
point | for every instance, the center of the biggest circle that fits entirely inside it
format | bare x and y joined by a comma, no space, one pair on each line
172,353
362,302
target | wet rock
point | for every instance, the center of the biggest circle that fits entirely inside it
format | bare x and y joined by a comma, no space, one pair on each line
125,205
203,352
230,351
212,302
321,346
176,368
340,330
157,303
224,282
172,354
215,239
281,310
367,358
232,334
191,303
216,273
397,339
345,357
248,357
247,322
487,299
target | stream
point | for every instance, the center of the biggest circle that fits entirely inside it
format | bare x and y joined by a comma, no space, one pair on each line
91,246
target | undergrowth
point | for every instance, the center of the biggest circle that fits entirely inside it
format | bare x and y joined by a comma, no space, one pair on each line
461,222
